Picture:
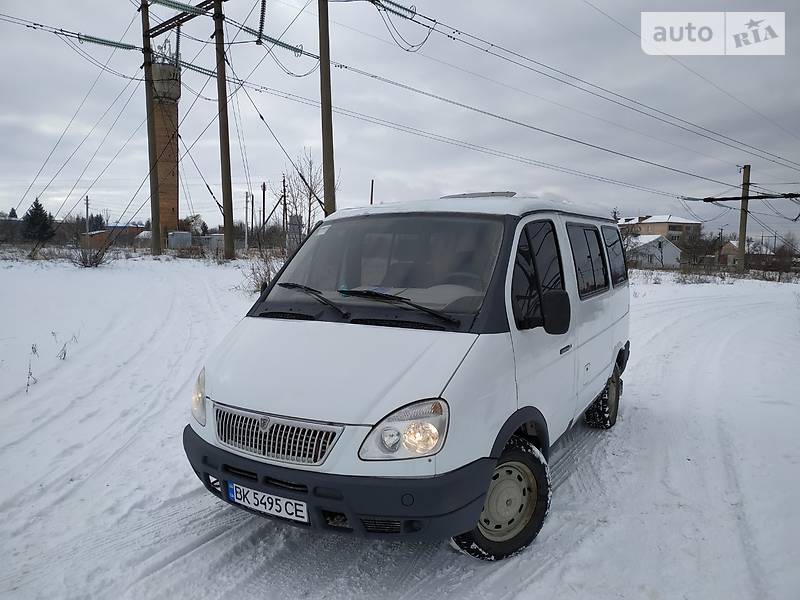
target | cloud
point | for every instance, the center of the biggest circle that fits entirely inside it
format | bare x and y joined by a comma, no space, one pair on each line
50,79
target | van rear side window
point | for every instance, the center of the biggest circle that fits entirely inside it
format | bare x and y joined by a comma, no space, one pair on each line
616,255
590,262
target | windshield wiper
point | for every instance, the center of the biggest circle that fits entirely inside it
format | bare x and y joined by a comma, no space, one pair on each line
315,294
375,295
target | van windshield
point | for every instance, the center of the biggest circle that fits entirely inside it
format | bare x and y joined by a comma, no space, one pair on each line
440,262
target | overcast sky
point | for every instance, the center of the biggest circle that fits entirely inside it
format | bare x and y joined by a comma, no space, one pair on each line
45,80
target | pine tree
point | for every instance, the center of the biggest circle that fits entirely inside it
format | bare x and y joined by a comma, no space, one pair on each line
13,213
96,222
37,224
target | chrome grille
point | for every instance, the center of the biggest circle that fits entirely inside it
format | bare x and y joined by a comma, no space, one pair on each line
275,438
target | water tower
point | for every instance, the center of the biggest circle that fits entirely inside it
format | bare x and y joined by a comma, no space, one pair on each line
167,92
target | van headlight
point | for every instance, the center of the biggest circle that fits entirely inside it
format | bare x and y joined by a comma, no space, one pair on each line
199,398
413,431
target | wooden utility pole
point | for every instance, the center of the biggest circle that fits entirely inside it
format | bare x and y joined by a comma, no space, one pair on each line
263,204
371,191
155,211
246,218
224,139
87,220
743,217
285,229
328,176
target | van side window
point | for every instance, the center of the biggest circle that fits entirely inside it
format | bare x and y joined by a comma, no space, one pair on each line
590,263
616,255
537,269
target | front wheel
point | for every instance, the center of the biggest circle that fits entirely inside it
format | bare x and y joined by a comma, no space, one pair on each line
515,507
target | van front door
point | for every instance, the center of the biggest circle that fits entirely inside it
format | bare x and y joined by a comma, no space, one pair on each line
545,363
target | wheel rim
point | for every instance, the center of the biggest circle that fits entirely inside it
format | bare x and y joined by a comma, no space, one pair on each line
510,502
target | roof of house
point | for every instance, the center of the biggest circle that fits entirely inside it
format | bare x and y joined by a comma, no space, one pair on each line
657,219
669,219
752,247
478,204
639,241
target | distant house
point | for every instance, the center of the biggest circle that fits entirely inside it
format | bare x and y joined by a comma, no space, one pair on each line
652,251
120,235
759,256
672,227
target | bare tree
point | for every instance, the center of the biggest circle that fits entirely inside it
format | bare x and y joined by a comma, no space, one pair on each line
786,253
304,190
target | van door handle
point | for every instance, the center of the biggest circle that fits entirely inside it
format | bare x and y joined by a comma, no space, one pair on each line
566,349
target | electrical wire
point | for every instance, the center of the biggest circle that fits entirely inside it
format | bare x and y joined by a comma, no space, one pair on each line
280,145
394,33
112,239
72,119
458,143
66,161
529,93
523,124
495,49
698,74
96,150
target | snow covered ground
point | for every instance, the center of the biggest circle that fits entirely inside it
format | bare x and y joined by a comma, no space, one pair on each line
694,494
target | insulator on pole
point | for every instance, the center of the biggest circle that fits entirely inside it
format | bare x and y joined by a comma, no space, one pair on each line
259,41
178,45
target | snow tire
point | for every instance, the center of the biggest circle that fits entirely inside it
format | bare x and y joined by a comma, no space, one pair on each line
518,455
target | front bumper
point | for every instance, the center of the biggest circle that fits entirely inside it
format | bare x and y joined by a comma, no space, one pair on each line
425,508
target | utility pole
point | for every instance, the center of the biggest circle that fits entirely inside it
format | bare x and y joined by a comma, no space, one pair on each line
328,176
87,220
246,218
224,139
371,191
285,231
263,204
155,215
743,217
252,213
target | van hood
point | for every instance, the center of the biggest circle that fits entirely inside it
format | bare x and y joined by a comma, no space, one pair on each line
334,372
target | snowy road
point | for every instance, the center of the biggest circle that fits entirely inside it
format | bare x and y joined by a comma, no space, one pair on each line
694,494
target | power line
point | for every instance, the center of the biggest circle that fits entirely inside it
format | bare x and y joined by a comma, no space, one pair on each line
698,74
529,93
457,142
74,115
517,122
494,49
86,137
280,145
275,42
97,149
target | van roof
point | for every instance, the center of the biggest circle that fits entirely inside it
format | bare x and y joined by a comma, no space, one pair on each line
483,204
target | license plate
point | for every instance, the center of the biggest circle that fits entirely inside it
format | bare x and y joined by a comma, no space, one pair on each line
267,503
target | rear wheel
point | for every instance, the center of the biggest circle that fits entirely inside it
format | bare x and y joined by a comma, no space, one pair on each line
515,507
602,414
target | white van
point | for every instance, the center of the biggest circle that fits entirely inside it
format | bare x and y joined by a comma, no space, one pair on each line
408,370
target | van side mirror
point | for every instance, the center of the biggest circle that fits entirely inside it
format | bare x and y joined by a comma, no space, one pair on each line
264,286
556,311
